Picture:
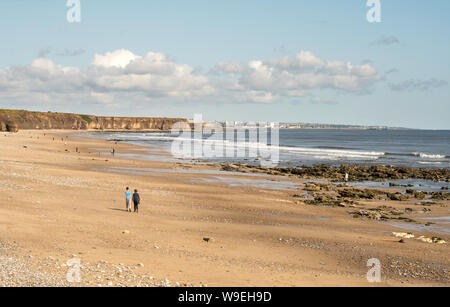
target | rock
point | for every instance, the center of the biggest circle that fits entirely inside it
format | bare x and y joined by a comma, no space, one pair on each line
440,195
356,172
373,215
311,187
398,196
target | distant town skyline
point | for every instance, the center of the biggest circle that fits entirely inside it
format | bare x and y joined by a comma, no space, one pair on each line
285,61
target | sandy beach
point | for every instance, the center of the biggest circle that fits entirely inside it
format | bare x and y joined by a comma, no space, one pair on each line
58,204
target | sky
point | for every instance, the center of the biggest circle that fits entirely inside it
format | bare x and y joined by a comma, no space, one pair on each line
247,60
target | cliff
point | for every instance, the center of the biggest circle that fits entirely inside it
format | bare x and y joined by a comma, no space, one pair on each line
13,120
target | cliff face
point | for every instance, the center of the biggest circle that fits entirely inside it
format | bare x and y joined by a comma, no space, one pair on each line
13,120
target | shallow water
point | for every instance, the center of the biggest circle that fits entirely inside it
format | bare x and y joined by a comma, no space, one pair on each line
125,172
256,183
416,184
190,171
220,178
437,229
439,219
142,154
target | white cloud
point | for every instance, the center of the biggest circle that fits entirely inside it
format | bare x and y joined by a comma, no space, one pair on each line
155,63
119,58
295,76
116,75
303,60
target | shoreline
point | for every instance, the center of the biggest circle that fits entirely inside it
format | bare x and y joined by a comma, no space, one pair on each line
305,158
59,203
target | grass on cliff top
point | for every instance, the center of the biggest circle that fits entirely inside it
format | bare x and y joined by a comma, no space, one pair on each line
86,118
16,114
11,112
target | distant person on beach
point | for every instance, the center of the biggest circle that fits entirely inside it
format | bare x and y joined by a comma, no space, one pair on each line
113,151
136,201
128,199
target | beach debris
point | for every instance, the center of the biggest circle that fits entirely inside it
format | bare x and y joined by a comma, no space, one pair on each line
438,240
208,239
126,232
408,235
425,239
435,240
403,235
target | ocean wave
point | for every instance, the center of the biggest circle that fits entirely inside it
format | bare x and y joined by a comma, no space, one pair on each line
319,153
429,163
335,152
429,156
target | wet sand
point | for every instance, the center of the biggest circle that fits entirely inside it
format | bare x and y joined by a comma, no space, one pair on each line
57,204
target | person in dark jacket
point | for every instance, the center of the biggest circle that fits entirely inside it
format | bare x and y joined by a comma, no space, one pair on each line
136,201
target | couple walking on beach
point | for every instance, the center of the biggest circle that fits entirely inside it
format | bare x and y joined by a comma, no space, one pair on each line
135,198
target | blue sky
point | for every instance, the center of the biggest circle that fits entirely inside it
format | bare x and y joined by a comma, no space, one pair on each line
235,60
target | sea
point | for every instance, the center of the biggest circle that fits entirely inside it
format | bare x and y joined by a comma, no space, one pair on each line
299,147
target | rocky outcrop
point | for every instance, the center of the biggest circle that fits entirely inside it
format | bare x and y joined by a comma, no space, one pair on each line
12,127
377,173
13,120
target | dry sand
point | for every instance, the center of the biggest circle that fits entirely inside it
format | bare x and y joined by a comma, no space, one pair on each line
57,204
